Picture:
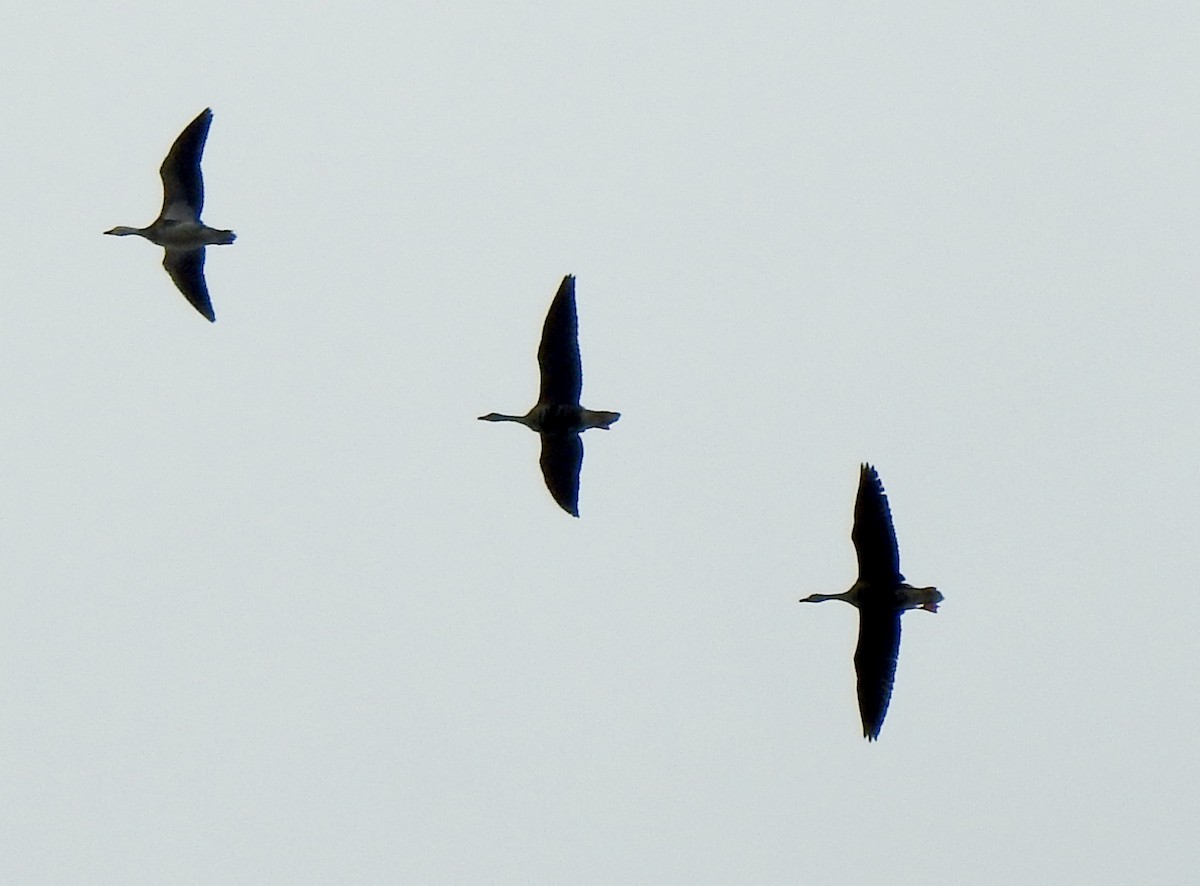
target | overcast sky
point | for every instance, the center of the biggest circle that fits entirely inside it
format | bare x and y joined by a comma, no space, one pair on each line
277,609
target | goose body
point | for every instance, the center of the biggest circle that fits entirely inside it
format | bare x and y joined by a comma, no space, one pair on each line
881,596
178,228
557,416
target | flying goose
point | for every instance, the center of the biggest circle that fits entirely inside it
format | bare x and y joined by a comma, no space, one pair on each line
881,596
178,228
557,415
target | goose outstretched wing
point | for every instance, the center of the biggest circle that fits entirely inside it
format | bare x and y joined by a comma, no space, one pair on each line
873,534
875,663
562,458
558,354
183,185
186,267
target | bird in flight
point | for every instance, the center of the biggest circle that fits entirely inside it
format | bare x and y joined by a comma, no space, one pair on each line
881,595
557,416
178,228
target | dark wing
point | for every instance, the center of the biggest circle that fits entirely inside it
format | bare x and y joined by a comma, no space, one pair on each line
562,457
186,267
875,664
873,534
183,186
558,355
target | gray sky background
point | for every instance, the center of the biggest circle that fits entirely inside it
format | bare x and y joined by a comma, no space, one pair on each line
278,610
